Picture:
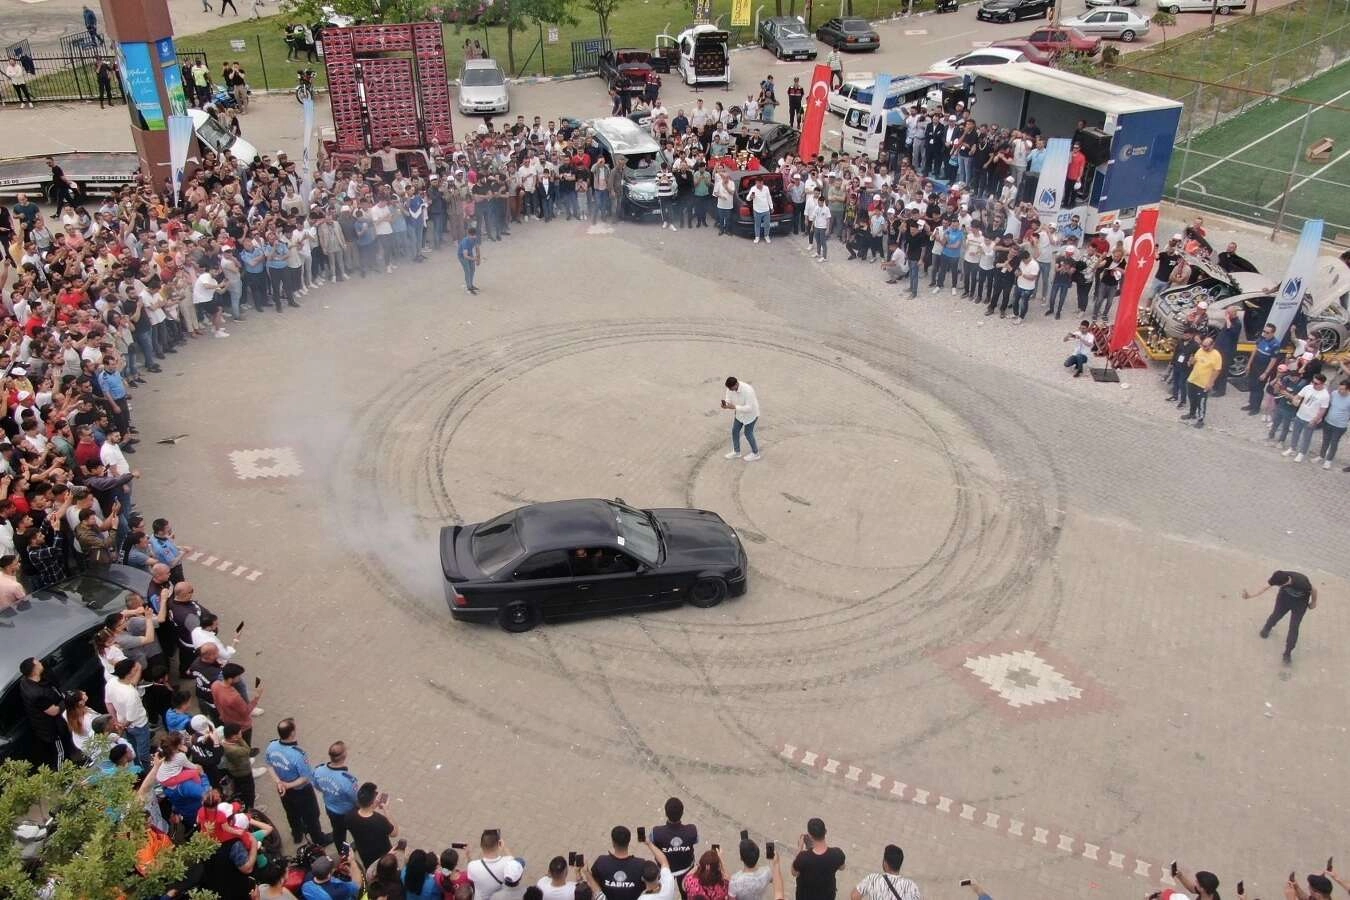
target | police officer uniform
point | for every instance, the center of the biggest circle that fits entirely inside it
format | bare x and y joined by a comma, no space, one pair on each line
290,763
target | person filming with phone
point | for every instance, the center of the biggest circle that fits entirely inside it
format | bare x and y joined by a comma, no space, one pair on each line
816,864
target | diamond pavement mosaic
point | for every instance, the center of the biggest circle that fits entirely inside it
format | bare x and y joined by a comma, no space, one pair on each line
1022,678
271,462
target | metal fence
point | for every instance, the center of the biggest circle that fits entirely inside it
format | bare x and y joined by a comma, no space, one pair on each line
586,54
1265,128
75,76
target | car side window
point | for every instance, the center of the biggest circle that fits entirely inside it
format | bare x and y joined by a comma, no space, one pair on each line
550,564
1119,17
588,561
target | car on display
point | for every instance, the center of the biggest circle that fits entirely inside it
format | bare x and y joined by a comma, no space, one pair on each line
786,37
849,33
1013,10
57,625
1064,40
769,142
780,217
1225,7
987,56
619,137
625,70
214,136
1112,22
701,54
482,88
1032,53
575,558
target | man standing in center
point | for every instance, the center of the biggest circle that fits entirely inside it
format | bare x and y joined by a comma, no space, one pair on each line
740,397
1205,366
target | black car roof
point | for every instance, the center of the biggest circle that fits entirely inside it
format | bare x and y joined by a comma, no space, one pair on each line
49,621
566,524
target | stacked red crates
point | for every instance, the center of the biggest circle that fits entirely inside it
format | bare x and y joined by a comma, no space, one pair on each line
376,96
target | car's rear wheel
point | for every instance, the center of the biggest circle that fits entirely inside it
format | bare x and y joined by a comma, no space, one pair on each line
708,592
1225,10
518,617
1174,9
1127,36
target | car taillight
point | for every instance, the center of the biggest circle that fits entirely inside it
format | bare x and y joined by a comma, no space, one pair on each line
745,210
460,599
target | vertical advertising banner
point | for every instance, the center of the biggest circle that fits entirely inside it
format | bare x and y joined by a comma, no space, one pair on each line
306,155
138,83
877,122
740,13
1136,276
180,142
1297,278
1054,169
167,55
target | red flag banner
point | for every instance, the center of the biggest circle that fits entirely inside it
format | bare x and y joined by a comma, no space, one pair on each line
1136,276
817,102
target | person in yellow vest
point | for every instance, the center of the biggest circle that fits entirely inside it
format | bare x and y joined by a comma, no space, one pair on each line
1206,364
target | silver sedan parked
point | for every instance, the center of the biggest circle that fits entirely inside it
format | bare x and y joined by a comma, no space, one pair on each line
1111,22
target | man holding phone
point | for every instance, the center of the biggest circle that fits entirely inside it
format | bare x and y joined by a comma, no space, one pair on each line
617,873
1295,597
816,864
676,839
887,884
370,826
496,872
741,399
753,881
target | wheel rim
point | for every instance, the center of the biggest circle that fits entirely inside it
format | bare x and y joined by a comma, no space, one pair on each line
518,615
1127,37
706,590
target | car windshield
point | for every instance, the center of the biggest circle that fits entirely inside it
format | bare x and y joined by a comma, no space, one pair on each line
496,543
482,77
641,165
792,29
856,25
94,593
214,135
637,533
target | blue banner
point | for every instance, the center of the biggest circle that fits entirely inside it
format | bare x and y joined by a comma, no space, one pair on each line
877,122
173,76
138,81
1054,172
1297,278
1141,151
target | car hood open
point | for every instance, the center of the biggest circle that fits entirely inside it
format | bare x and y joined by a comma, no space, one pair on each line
695,536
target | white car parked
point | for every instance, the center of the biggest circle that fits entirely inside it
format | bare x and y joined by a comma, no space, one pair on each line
482,88
1109,22
1181,6
844,99
987,56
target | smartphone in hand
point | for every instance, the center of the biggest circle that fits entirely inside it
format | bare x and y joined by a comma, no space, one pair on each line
964,882
240,627
768,850
1173,868
581,861
745,834
381,798
642,835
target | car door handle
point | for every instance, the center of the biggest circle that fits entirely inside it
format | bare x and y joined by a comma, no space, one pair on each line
583,587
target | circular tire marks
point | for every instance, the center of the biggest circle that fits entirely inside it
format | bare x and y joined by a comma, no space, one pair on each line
970,568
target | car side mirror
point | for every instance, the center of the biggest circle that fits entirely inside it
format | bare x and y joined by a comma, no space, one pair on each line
642,570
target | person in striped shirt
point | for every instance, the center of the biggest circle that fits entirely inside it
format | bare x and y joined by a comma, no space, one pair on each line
665,195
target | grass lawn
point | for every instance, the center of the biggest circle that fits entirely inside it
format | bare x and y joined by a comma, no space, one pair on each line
634,24
1242,165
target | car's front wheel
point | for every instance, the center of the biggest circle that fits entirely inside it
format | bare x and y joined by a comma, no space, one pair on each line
1174,9
1225,10
518,617
708,592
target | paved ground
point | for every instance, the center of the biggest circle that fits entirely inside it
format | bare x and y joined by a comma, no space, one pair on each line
938,507
929,512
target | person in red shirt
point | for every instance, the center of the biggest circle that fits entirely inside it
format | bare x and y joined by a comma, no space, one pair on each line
1074,176
86,451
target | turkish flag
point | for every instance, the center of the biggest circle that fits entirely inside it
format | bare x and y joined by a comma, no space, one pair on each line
1136,276
817,103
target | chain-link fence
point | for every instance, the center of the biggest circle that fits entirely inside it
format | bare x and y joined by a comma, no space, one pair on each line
1265,131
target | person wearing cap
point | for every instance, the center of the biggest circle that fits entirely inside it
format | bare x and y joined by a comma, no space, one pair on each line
320,884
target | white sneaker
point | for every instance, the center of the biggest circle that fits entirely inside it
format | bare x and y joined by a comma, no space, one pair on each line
767,239
1317,458
953,292
731,454
1327,464
388,270
750,457
820,259
936,289
259,771
1298,458
756,240
674,227
1288,452
258,710
221,333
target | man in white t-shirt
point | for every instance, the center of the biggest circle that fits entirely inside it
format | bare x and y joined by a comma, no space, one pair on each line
208,292
496,872
1083,342
820,228
556,885
761,205
1312,403
753,882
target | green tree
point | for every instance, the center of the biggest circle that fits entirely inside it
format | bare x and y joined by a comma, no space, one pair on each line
90,854
369,10
517,15
1164,20
603,9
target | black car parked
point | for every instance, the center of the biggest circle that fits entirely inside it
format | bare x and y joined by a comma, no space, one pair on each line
1013,10
769,141
849,33
57,625
575,558
786,37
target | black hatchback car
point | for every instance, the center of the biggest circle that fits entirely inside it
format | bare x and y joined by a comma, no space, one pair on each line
849,33
576,558
1013,10
57,625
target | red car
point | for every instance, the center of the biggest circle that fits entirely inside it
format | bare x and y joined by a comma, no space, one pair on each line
1064,40
1027,49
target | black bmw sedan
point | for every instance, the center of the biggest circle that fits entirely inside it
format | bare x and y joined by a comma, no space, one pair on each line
576,558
